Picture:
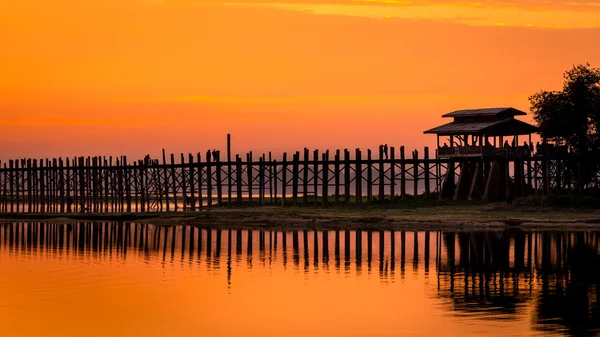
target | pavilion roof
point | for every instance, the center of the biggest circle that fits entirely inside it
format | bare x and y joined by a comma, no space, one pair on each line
504,127
490,112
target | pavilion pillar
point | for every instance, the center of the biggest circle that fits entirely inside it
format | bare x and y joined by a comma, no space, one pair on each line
481,144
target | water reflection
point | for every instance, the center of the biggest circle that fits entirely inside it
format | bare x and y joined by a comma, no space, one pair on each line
483,275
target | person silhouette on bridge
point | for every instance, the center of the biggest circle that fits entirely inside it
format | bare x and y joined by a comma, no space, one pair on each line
385,150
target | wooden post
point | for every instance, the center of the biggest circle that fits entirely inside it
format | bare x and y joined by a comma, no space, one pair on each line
166,180
392,174
75,185
381,176
142,185
325,184
284,165
358,177
238,178
316,175
475,179
127,171
29,181
192,197
295,178
94,183
346,176
305,178
261,181
369,177
219,179
120,182
106,184
82,196
5,189
19,182
135,186
336,177
416,173
57,200
249,173
34,183
174,183
184,195
269,178
402,173
506,178
11,173
208,180
529,172
426,173
67,186
200,198
273,171
229,170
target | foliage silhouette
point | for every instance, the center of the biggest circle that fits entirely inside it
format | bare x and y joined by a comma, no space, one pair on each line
571,117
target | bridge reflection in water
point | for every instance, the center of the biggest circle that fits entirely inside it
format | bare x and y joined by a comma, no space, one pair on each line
487,274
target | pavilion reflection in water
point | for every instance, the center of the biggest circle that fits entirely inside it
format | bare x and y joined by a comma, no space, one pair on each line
492,273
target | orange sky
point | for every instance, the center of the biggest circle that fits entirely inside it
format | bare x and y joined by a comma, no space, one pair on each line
111,77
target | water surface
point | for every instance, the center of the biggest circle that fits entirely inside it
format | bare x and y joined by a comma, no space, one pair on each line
126,279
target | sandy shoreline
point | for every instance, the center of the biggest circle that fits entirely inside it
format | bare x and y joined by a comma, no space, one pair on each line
460,217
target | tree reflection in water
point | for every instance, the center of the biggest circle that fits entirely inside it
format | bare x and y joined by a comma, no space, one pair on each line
498,271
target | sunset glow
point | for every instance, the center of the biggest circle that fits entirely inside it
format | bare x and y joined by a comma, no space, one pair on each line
108,77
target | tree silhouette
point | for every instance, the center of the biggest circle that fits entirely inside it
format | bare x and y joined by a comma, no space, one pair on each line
572,116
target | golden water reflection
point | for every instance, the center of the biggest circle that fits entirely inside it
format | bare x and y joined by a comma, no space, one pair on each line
115,279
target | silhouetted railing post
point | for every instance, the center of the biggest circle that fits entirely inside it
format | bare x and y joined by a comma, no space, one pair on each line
402,173
192,176
369,177
229,169
284,165
208,180
381,175
346,176
200,186
295,178
316,175
336,177
305,178
392,174
426,172
238,178
166,181
416,173
261,181
325,185
174,182
250,176
358,177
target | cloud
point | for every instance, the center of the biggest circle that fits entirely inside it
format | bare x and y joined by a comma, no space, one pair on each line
317,100
532,13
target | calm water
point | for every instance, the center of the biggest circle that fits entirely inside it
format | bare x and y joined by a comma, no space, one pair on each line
115,279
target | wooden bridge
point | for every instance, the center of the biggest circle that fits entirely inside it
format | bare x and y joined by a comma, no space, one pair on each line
341,177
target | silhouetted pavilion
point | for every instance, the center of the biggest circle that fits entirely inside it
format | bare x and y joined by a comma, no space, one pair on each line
481,132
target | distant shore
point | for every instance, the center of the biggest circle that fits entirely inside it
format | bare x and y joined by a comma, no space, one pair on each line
455,217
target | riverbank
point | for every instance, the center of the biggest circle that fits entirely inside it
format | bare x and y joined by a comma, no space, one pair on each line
450,217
